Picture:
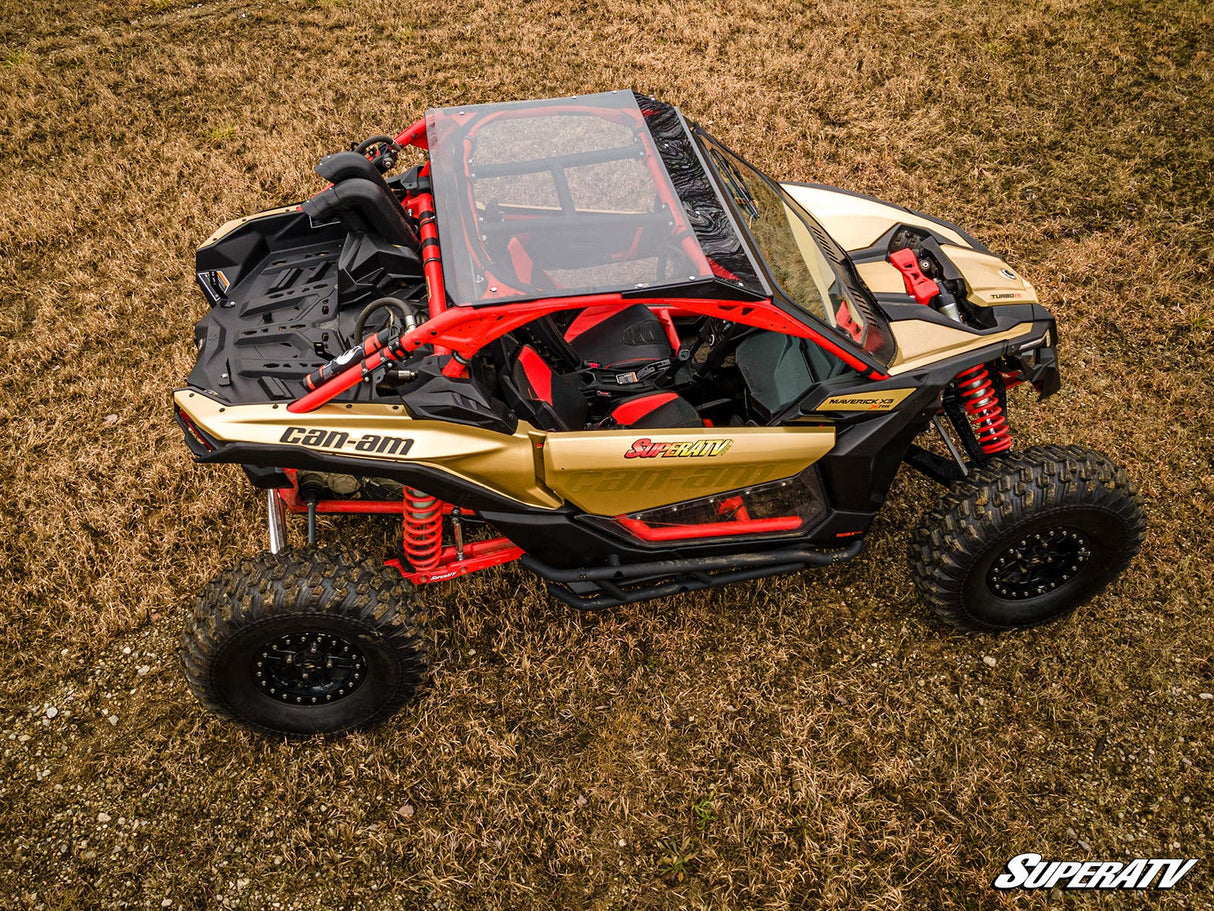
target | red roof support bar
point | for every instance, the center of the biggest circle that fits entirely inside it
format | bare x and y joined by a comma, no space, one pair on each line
465,330
414,135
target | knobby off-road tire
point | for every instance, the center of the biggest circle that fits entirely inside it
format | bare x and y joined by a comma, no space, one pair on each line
1027,538
306,642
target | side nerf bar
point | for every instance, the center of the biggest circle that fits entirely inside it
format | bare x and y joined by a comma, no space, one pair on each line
594,588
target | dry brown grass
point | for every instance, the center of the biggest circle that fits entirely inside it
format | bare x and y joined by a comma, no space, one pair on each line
809,742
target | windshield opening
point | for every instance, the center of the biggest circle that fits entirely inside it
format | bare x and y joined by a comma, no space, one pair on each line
789,243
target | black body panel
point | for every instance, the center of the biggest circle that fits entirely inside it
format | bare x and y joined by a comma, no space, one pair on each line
286,297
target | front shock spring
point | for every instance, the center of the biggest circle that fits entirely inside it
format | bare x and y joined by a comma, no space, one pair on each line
984,410
423,529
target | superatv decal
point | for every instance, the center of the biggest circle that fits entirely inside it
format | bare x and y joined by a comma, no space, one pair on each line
647,449
864,401
319,438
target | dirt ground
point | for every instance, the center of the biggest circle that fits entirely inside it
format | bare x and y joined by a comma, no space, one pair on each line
815,741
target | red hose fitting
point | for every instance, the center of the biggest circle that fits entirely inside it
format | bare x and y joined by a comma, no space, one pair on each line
983,410
423,529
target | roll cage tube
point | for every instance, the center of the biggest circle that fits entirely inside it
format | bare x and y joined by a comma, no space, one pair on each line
465,330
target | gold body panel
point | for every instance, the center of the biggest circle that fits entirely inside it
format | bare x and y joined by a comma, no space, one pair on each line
593,469
229,226
989,280
881,277
497,461
857,222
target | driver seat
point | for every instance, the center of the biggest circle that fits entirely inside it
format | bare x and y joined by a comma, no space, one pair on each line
618,336
550,402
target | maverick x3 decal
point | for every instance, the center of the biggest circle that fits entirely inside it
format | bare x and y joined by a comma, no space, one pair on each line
884,400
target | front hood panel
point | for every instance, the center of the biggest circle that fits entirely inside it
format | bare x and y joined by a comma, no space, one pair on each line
859,222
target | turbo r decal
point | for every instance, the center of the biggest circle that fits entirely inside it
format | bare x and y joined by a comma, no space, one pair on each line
696,449
319,438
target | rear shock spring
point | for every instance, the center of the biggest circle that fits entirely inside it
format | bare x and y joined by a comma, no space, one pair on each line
423,529
984,410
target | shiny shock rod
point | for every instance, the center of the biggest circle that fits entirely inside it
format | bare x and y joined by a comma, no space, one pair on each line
276,520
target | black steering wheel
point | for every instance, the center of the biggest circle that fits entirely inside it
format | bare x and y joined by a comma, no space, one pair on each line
382,151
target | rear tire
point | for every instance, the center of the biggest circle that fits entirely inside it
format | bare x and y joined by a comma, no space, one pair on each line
1027,538
306,642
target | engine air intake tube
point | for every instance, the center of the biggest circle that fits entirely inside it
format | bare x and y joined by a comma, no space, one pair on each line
364,207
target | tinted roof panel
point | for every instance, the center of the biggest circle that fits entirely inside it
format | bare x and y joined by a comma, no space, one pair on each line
575,196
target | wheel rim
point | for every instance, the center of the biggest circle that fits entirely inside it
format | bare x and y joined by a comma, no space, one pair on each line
1039,563
309,668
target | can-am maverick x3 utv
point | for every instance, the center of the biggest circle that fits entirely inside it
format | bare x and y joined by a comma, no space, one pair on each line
587,336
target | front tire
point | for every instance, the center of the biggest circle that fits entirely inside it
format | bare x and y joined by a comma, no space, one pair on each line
306,642
1027,538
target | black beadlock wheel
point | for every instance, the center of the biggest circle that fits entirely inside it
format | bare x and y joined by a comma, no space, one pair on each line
1027,538
306,642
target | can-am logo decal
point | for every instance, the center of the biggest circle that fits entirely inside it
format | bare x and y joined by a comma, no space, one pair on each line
371,443
1031,871
696,449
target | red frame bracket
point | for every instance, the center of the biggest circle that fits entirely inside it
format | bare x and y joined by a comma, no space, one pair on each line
452,562
918,285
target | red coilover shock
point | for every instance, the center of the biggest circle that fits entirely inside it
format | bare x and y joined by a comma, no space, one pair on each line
983,409
423,529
